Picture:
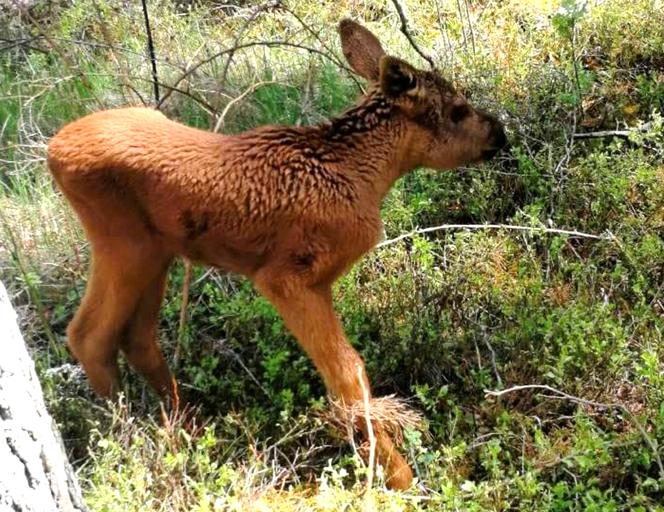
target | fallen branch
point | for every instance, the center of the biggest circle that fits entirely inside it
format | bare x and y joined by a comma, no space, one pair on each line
557,394
605,133
531,229
612,133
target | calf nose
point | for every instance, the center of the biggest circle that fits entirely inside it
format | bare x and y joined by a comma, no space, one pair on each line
498,135
497,139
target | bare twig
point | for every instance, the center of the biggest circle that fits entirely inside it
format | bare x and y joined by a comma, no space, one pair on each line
96,44
531,229
240,33
222,117
371,436
557,394
563,163
13,43
322,42
148,32
66,60
200,101
136,92
470,25
218,54
493,359
448,55
406,32
236,356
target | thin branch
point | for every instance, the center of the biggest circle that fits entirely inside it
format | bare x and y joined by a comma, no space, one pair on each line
216,55
557,394
470,26
227,350
13,43
200,101
493,359
370,435
222,117
406,32
336,60
66,60
240,33
153,60
96,44
531,229
135,91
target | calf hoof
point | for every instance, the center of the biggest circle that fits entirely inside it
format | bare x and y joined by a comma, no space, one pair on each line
399,474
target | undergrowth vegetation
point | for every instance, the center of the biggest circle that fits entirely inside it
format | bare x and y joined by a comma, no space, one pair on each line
442,317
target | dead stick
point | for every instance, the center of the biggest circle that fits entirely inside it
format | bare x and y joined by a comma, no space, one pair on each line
370,435
605,133
613,133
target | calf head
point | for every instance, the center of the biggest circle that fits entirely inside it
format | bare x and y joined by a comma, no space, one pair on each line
444,129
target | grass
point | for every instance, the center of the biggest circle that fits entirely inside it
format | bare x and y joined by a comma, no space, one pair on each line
439,318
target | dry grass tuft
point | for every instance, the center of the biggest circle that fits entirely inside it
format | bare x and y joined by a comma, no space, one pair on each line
392,414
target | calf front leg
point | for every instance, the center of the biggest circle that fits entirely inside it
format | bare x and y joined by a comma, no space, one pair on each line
309,314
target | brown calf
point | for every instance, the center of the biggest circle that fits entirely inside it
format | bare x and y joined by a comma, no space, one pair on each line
291,208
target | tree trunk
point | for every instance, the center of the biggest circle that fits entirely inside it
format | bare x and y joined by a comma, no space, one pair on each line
35,474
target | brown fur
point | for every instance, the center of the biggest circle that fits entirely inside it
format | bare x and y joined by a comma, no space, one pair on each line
291,208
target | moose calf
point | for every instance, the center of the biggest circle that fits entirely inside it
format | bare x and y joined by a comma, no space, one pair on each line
291,208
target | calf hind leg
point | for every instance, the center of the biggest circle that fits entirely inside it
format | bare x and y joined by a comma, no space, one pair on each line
139,344
119,275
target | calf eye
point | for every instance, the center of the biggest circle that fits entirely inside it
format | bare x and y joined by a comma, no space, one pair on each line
459,112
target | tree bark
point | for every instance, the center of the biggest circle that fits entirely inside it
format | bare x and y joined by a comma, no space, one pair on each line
35,474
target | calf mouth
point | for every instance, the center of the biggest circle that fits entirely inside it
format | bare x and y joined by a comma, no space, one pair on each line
499,143
488,154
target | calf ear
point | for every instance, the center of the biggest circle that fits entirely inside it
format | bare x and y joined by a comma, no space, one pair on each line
361,49
399,79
